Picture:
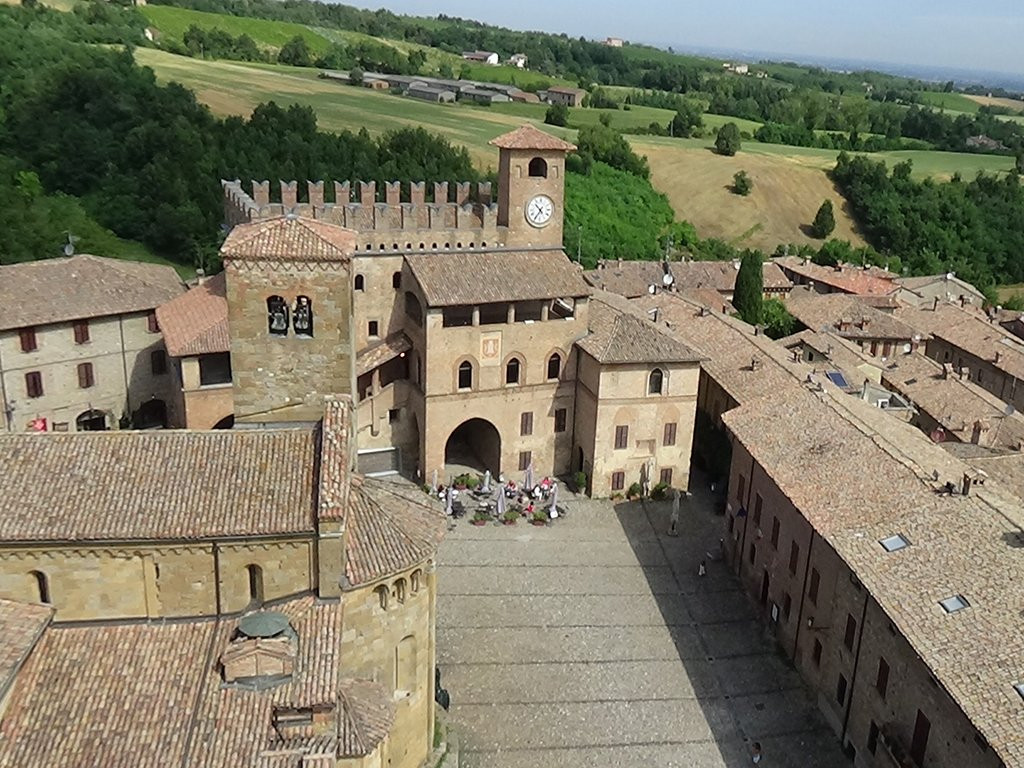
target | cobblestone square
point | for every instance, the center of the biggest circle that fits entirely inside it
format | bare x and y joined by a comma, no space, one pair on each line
593,642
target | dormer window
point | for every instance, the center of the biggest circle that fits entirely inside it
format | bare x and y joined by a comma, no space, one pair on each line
262,651
277,316
655,382
538,168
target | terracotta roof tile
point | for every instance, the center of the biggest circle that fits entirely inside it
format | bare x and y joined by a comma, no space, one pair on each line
196,323
846,315
380,353
529,137
452,279
847,278
83,286
632,279
290,238
367,715
156,485
22,625
621,334
389,530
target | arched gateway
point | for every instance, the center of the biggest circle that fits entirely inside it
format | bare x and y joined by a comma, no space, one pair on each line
475,443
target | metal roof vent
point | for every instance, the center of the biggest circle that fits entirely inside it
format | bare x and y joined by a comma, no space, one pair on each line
264,624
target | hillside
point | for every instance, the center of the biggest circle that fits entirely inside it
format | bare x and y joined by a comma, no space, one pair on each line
789,182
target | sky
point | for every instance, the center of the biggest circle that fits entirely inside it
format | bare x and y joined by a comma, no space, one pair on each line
966,34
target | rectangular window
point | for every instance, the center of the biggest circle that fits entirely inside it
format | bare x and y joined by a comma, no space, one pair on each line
841,690
526,423
787,606
752,554
758,503
28,339
34,384
812,590
816,655
666,476
618,481
215,369
373,329
394,414
919,744
158,362
741,486
85,375
873,737
775,533
621,438
81,328
851,632
524,460
670,434
882,679
560,416
151,323
794,557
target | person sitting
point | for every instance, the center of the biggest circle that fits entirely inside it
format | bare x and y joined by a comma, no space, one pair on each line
529,509
440,491
545,484
510,489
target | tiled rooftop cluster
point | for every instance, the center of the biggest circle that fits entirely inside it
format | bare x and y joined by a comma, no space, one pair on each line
633,279
847,315
619,333
845,278
196,323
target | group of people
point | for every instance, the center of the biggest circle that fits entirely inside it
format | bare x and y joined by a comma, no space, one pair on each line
523,495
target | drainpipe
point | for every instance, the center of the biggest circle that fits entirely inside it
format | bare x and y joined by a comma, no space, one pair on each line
8,408
124,370
856,664
575,407
803,595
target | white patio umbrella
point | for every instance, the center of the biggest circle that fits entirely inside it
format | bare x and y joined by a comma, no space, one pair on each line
448,501
675,503
528,479
501,504
553,512
433,481
487,481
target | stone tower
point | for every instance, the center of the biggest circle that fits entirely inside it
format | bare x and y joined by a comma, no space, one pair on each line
289,295
531,187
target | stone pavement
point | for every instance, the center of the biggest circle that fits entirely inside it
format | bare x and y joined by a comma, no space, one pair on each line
592,642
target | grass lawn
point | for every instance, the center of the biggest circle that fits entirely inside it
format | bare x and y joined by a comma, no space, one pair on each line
955,101
521,78
172,22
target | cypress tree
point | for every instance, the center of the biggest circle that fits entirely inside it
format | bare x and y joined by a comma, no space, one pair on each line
748,295
824,221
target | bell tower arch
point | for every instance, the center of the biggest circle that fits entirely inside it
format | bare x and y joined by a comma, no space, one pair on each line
531,187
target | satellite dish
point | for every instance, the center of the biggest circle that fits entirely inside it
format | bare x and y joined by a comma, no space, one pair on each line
950,275
938,435
667,279
652,289
1009,410
69,249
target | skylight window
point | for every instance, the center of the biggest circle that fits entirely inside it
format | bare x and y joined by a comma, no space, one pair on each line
954,603
1019,688
837,378
894,543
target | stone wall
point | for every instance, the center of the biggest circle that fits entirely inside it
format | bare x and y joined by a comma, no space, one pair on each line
395,646
118,348
286,377
166,580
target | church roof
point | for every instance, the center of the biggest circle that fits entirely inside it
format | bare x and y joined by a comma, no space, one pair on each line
453,279
366,718
528,137
83,286
289,238
621,335
196,322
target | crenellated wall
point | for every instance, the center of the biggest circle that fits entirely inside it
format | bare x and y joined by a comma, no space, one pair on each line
461,216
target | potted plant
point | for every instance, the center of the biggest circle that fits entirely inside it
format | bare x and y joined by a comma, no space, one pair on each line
510,517
635,491
579,481
471,481
480,517
660,492
540,517
460,482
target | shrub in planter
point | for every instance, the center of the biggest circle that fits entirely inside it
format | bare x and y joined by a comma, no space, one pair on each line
428,490
540,517
579,480
480,518
472,481
660,492
510,517
635,491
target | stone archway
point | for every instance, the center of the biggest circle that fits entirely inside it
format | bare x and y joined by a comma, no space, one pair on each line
226,423
475,443
91,421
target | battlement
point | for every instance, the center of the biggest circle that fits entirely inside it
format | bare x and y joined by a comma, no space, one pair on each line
405,209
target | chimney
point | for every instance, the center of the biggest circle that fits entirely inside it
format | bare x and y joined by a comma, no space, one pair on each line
966,487
977,432
865,322
200,276
945,370
704,311
935,304
758,330
653,314
844,325
755,364
999,357
796,355
963,300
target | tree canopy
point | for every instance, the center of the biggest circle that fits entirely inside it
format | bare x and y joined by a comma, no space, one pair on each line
824,221
748,294
727,141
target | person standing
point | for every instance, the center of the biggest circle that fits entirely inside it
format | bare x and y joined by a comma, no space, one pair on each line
755,753
703,569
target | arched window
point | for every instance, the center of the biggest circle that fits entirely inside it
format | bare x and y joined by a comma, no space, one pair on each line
539,168
414,581
302,317
405,665
400,590
277,316
360,283
513,369
655,382
255,584
382,596
42,586
554,366
396,280
466,375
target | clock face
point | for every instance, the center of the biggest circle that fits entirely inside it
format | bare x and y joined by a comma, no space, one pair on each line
539,210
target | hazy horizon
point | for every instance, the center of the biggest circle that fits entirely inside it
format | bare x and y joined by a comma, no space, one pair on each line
982,37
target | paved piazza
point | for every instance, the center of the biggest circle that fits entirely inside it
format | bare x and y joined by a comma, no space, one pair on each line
593,643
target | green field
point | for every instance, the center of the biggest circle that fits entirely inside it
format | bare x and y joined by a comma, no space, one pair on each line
172,22
953,101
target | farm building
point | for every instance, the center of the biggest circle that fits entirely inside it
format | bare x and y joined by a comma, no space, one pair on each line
484,57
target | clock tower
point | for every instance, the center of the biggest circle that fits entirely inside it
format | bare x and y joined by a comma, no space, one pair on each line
531,187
